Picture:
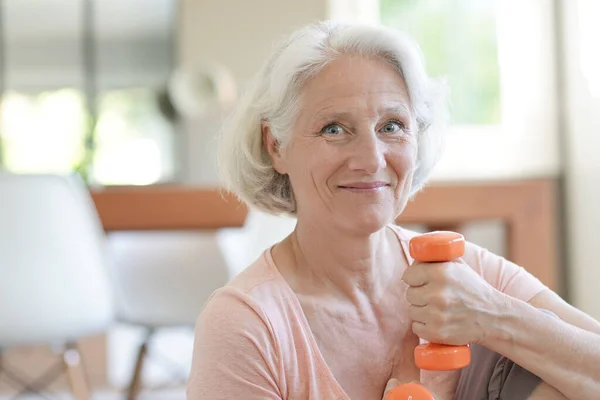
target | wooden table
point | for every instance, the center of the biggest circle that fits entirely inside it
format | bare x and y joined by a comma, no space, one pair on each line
167,207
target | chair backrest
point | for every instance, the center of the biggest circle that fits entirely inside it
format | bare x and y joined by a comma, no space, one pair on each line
163,278
54,285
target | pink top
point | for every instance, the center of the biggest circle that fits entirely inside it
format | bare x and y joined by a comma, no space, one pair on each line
253,340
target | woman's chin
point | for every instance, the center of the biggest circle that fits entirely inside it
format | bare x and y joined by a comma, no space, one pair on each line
367,221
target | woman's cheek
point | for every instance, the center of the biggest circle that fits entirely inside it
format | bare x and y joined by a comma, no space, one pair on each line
405,156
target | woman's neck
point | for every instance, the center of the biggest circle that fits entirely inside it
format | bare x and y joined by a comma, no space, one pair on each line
323,260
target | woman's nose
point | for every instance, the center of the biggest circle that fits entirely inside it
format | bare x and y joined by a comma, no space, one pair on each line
367,153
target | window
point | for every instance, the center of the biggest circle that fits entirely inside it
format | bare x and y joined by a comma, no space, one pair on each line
458,40
499,59
43,131
50,81
46,132
133,142
589,31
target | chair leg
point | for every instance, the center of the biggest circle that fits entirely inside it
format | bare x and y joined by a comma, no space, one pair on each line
135,385
76,373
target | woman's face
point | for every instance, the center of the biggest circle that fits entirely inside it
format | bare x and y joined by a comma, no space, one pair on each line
352,152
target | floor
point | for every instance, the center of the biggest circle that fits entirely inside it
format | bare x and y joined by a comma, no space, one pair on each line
177,394
168,361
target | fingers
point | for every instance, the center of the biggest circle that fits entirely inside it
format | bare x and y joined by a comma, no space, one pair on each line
419,329
420,274
417,314
416,296
415,275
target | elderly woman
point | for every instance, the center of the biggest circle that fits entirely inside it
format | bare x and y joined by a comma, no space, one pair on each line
340,129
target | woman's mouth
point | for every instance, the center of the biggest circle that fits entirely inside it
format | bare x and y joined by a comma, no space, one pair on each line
364,187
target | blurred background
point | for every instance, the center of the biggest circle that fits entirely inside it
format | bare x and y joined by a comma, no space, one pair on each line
128,96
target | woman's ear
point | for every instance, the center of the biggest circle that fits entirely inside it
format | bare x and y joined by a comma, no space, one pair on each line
273,147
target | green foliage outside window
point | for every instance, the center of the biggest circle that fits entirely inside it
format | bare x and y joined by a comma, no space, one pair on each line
458,40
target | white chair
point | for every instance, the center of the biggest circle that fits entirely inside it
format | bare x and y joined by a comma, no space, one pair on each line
54,287
164,278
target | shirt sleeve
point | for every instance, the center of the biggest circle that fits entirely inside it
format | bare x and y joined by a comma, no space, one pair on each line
234,353
505,276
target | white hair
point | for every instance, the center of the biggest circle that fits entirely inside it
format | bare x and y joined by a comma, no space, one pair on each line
274,97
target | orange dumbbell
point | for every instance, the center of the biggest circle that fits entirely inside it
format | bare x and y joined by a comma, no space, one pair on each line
437,246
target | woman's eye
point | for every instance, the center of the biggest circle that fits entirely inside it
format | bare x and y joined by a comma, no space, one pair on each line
333,129
392,127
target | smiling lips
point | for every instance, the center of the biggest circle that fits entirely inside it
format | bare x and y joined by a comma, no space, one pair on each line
364,187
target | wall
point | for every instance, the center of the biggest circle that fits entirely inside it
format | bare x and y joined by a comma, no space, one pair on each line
582,144
44,43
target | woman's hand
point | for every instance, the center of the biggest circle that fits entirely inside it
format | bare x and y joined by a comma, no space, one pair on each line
450,303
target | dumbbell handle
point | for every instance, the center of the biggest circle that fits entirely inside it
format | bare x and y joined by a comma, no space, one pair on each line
439,246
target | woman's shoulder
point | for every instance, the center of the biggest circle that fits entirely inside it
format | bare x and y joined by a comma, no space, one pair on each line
253,339
237,338
260,282
256,311
257,295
